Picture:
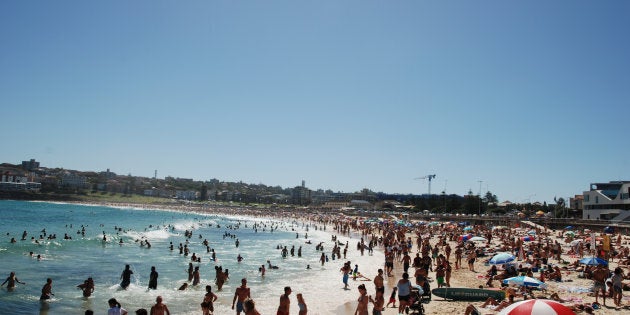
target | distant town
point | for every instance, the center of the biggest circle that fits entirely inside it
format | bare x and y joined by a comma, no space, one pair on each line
31,181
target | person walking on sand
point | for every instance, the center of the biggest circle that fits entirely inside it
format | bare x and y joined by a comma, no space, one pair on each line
404,291
472,256
153,277
46,290
12,279
240,295
392,298
378,302
159,308
126,277
346,274
207,306
285,303
599,283
362,307
378,282
301,304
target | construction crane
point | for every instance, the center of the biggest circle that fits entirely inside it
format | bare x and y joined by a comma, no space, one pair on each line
429,178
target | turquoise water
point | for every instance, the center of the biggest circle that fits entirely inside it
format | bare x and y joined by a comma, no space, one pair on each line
70,262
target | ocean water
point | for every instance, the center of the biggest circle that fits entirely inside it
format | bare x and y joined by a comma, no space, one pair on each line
69,262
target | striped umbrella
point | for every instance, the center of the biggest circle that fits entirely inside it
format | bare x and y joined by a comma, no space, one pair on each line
537,307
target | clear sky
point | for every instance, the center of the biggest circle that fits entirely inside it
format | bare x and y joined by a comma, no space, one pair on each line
531,97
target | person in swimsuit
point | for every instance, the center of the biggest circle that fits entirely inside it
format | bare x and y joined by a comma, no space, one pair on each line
378,302
153,277
285,303
250,307
362,307
301,304
12,279
241,294
126,277
207,306
159,308
46,290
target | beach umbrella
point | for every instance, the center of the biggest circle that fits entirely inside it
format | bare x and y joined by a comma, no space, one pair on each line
468,228
525,281
569,227
575,242
532,232
466,237
569,233
478,239
593,261
501,258
537,307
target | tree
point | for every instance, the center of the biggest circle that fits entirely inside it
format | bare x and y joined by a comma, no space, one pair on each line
490,198
560,207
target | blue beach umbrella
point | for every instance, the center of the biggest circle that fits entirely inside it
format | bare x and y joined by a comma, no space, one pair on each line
568,227
468,228
593,261
525,281
501,258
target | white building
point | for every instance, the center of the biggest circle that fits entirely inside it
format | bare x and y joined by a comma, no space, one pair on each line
607,201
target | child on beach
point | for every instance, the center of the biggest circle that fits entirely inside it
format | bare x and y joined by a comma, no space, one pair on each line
392,298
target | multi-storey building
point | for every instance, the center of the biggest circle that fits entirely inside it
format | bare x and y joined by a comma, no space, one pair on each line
607,201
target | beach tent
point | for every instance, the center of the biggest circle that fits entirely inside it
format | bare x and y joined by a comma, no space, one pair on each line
525,281
593,261
501,258
537,307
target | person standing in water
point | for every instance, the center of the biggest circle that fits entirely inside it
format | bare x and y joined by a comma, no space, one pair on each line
285,303
153,277
159,308
126,277
46,290
207,306
241,294
301,304
12,279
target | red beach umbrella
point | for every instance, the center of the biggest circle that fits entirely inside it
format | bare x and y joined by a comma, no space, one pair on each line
537,307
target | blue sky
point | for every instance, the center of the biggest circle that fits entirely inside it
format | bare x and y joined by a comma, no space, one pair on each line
531,97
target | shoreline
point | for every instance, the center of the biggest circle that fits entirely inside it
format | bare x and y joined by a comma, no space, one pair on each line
460,278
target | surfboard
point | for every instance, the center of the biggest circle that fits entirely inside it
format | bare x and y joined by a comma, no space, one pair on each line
468,294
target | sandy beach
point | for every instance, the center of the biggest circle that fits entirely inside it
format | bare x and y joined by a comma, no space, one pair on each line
572,288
